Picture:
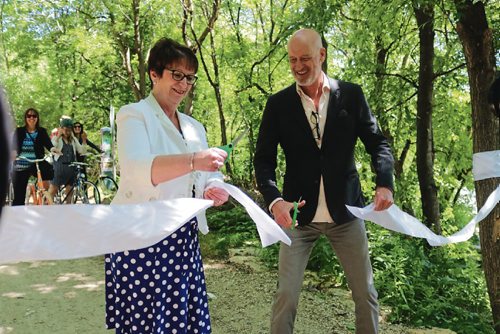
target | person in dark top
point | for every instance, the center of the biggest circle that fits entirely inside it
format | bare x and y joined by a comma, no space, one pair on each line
30,141
317,121
5,148
81,135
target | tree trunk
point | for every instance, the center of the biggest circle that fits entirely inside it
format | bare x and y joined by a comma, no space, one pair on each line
425,144
476,38
139,49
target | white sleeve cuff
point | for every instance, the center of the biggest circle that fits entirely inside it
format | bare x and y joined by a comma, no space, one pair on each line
274,202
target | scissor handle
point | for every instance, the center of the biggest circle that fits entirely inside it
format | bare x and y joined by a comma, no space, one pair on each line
228,148
295,211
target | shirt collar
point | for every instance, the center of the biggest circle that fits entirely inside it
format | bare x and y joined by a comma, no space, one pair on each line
324,89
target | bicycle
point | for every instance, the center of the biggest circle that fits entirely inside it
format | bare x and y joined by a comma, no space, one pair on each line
81,191
107,188
10,193
106,184
37,191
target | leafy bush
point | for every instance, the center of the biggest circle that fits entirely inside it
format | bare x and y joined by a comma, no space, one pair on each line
230,227
442,286
231,218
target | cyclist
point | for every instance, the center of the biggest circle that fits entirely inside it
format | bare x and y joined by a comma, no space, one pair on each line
66,148
30,141
81,135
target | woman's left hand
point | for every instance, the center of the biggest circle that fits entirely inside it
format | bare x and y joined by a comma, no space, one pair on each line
218,195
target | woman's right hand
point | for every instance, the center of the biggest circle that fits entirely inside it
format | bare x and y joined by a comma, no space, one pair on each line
209,160
55,151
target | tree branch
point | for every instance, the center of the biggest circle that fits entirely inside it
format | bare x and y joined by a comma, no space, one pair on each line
438,74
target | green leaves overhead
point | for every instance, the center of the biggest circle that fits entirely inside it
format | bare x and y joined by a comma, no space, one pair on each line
81,57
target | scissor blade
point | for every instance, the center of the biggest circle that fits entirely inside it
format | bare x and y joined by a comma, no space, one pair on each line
240,136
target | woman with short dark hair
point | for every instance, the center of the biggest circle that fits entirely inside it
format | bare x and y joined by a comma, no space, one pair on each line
30,141
163,154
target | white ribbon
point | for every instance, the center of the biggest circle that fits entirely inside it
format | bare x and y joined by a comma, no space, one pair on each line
485,165
57,232
30,233
269,231
399,221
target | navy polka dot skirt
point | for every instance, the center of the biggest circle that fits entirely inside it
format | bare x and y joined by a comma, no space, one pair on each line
159,289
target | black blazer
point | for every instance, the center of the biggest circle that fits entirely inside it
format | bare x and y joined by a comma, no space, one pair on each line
284,123
42,140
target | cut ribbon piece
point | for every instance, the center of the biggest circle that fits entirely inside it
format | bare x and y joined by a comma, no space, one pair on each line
58,232
397,220
269,231
486,165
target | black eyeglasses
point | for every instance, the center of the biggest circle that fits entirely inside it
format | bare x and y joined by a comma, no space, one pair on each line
178,76
31,116
314,118
77,126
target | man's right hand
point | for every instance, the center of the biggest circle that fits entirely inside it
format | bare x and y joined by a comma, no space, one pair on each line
281,211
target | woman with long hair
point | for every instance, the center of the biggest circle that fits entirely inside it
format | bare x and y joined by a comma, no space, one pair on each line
30,141
81,135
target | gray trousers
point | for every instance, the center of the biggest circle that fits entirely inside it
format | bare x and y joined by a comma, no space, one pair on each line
350,244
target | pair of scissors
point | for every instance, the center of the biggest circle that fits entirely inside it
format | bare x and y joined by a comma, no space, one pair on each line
229,147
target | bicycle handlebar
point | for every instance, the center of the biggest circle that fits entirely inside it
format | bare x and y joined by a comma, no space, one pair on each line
20,157
76,164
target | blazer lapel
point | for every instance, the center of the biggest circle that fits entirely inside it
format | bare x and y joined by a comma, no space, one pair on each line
298,115
333,108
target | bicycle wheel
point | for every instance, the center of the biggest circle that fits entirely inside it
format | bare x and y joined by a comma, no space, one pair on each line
10,195
60,195
107,189
30,197
86,193
46,199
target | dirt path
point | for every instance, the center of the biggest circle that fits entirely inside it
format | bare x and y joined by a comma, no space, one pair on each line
61,297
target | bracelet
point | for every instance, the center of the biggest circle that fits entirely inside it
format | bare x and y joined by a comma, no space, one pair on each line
191,162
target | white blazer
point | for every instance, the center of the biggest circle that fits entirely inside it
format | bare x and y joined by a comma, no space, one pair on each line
144,132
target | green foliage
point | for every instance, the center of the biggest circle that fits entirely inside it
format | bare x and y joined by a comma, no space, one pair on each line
442,286
325,263
230,227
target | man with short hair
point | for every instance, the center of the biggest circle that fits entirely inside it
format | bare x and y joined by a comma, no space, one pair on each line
317,122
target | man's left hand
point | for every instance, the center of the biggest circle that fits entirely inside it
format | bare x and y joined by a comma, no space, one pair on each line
383,198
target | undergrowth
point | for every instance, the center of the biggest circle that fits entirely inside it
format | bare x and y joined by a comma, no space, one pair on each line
423,286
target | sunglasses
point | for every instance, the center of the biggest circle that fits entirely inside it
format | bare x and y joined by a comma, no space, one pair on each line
31,116
77,126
